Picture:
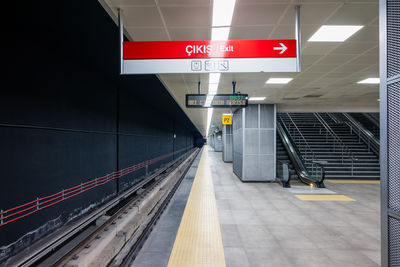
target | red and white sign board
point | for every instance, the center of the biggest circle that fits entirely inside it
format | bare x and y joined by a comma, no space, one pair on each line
209,56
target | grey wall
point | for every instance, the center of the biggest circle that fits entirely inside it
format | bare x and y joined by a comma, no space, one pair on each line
218,142
389,13
227,140
254,138
67,116
237,145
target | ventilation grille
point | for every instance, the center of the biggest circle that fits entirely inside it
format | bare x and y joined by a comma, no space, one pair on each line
394,242
394,146
393,38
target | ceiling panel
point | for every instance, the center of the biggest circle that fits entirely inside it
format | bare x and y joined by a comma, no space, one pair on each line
355,14
184,2
182,34
328,69
250,32
142,16
258,14
185,16
148,34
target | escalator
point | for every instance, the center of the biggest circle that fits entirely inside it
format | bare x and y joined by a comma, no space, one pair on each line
282,157
291,166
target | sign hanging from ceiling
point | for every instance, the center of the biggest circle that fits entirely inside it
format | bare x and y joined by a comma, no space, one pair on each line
209,56
226,120
216,101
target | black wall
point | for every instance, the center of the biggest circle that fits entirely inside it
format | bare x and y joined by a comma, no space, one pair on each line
66,116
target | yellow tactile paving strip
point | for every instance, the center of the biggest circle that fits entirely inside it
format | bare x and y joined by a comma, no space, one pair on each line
199,241
352,181
324,198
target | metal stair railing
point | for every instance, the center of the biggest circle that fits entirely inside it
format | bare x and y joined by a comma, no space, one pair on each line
363,133
337,141
306,147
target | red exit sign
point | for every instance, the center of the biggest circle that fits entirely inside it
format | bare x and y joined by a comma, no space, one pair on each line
210,49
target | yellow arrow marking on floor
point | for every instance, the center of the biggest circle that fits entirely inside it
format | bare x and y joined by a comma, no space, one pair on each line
199,241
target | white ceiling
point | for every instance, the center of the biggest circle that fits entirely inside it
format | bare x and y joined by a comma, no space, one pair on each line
330,70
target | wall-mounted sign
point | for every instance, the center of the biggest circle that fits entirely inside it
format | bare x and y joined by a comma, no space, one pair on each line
209,56
216,101
226,120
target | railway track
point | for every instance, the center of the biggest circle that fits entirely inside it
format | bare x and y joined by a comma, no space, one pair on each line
65,246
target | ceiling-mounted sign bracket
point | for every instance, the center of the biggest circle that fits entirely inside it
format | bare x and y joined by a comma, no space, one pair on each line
298,37
121,40
210,56
199,87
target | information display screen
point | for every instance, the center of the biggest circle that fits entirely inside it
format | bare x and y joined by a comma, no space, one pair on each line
216,101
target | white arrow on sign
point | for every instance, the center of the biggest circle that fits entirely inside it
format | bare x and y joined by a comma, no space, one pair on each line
283,48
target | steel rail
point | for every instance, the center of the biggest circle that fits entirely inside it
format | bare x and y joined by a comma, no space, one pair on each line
134,251
56,242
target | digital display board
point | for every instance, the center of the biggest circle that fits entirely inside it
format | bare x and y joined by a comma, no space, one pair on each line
216,101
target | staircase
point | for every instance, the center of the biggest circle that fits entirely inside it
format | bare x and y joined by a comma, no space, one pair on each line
282,155
359,163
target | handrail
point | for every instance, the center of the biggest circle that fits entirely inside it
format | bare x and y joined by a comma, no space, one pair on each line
363,133
344,147
333,117
29,208
300,164
372,119
302,136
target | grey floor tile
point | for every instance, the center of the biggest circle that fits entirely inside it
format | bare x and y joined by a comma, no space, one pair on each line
230,236
308,258
350,258
236,257
271,257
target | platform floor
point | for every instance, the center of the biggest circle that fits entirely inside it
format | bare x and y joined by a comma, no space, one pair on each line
263,224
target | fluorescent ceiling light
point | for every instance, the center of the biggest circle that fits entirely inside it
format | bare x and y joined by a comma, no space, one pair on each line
334,33
257,98
370,81
278,80
222,12
214,77
209,117
212,88
220,34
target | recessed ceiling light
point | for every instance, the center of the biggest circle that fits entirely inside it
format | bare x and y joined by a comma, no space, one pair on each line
278,80
257,98
209,117
220,34
334,33
370,81
222,12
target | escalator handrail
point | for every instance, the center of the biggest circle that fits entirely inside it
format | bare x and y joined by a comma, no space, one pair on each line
365,134
372,119
298,161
